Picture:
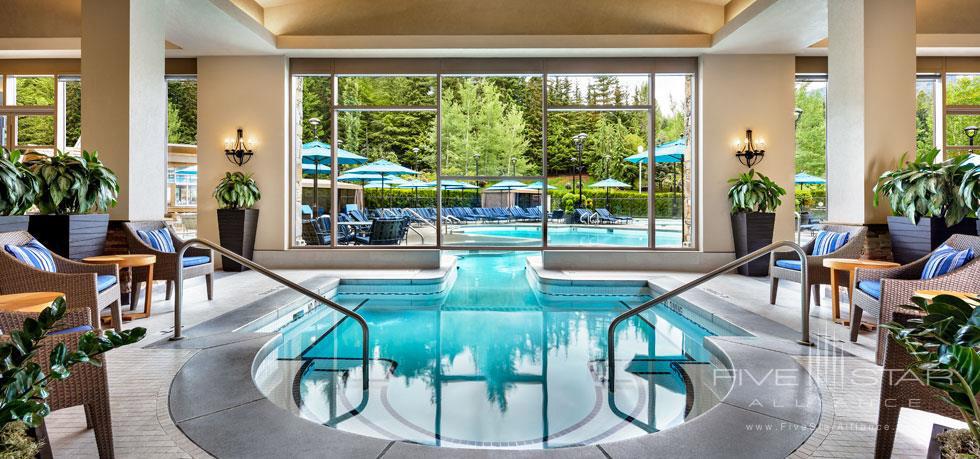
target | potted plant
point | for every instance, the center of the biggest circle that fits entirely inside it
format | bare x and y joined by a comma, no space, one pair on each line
926,203
970,188
804,201
76,194
753,202
943,345
24,382
237,220
570,209
18,188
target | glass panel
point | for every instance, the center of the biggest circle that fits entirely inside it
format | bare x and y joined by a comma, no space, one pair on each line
36,91
35,130
3,131
311,114
673,161
497,213
963,89
386,90
597,195
956,132
811,149
73,115
491,126
618,90
182,111
925,113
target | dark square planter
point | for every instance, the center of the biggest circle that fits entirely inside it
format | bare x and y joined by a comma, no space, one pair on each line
752,231
10,223
71,236
911,242
236,231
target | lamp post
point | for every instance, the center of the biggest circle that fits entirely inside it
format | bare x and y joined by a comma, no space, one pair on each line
476,158
415,153
579,140
971,132
513,166
799,112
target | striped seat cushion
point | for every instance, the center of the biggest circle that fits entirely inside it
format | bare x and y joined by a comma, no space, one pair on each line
159,239
33,254
828,242
945,260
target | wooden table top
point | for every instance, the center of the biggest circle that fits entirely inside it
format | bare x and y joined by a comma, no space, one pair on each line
28,302
854,263
972,298
123,260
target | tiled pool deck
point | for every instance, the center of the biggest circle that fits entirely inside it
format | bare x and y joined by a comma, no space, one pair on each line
145,404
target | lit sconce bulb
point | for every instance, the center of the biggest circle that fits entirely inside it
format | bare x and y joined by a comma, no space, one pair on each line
251,143
229,144
737,144
761,143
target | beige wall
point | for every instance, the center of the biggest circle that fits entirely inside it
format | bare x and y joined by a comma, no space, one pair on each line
248,93
740,92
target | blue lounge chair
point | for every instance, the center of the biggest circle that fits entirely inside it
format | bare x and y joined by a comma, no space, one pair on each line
584,216
384,231
605,215
357,215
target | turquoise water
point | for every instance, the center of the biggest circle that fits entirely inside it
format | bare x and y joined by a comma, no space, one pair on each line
575,236
492,364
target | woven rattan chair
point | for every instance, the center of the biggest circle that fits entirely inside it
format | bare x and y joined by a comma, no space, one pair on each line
77,281
898,284
88,385
166,266
818,275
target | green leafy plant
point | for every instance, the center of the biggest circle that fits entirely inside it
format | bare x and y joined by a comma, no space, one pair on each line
804,199
23,382
970,186
944,345
237,191
74,185
750,194
18,185
924,188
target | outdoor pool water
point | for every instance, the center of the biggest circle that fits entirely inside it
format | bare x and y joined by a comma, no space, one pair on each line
571,235
491,364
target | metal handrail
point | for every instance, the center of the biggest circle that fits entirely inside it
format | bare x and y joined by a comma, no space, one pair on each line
179,293
804,298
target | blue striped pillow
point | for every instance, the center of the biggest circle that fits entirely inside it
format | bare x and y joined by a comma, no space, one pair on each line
33,254
158,239
828,242
945,260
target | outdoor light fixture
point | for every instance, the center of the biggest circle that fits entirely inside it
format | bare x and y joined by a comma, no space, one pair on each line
238,151
579,140
315,122
971,132
747,152
799,112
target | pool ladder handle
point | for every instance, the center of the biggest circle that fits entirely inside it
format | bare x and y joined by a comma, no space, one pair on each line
804,298
197,242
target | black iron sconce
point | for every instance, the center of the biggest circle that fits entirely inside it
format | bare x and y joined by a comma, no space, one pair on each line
749,153
239,151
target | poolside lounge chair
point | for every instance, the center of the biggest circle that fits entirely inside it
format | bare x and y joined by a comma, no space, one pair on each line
786,265
87,287
880,291
357,215
345,233
584,216
312,234
197,261
88,385
384,231
607,216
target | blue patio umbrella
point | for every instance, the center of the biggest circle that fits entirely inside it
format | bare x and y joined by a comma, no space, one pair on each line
670,152
506,185
806,179
385,169
455,185
316,169
607,184
539,185
415,184
317,153
192,170
393,182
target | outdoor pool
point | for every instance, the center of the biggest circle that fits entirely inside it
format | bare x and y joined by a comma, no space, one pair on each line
527,235
491,364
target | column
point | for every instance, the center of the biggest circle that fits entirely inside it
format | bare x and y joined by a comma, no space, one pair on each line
870,101
124,100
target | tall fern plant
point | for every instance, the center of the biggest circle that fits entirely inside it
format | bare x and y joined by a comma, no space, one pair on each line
237,191
751,194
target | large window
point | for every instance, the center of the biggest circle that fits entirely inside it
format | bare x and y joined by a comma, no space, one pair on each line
474,159
811,148
182,154
962,112
40,113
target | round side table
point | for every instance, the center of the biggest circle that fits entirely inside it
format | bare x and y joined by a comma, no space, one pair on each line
973,299
33,302
849,265
131,261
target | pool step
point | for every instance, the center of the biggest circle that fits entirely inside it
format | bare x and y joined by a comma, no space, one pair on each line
342,364
656,365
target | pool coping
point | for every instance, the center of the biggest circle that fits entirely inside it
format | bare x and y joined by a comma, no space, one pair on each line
771,389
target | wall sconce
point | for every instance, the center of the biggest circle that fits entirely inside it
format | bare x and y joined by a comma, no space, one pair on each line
239,151
748,152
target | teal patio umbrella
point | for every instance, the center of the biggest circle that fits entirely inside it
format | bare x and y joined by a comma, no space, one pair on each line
316,153
415,184
670,152
456,185
607,184
806,179
386,169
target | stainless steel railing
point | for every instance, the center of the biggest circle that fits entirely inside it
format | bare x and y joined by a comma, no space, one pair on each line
804,299
179,294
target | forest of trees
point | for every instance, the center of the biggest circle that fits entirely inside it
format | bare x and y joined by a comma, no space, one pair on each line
182,111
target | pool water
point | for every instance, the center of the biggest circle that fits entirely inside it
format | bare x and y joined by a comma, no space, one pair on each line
492,364
568,236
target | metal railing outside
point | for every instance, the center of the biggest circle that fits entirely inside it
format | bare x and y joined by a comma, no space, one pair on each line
804,299
179,294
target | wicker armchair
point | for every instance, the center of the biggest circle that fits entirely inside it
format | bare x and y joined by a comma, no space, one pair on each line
76,280
88,385
817,273
898,284
166,267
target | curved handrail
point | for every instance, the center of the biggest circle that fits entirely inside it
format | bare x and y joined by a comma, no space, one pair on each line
179,293
804,300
